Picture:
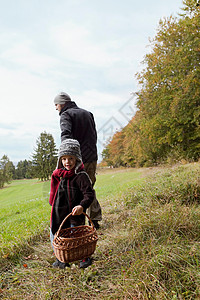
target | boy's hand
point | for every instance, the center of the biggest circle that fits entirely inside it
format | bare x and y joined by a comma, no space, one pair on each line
77,210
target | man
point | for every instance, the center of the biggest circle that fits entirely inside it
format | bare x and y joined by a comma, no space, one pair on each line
77,123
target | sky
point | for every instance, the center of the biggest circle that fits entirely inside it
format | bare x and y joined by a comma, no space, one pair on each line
87,48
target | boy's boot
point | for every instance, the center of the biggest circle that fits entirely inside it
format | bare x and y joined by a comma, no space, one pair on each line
84,263
56,263
59,264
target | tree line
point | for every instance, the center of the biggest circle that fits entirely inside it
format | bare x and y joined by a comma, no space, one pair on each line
41,165
167,122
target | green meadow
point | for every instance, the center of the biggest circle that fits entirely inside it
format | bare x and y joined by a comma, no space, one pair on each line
24,213
148,247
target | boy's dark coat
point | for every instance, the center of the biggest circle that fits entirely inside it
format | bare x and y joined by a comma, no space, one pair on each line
67,192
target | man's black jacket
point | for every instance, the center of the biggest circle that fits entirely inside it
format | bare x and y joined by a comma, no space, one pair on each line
79,124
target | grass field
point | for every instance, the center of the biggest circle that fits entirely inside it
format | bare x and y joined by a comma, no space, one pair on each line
25,210
24,213
148,244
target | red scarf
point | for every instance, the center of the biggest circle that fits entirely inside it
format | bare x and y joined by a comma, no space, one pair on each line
55,180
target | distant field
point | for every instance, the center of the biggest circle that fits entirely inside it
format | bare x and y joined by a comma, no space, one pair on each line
116,181
25,210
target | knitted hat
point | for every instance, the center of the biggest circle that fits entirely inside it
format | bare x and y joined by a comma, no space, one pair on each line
62,98
69,147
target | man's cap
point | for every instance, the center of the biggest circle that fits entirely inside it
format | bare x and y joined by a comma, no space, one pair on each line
62,98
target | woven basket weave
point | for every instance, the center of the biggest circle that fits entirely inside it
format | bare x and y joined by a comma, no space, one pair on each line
75,243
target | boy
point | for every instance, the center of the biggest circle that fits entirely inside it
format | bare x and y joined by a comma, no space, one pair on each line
71,191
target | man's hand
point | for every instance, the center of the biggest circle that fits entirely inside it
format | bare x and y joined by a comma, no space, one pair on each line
77,210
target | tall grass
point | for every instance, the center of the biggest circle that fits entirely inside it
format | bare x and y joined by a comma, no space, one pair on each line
148,248
180,184
163,240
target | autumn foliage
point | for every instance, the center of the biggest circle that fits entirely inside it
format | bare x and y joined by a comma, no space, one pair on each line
167,123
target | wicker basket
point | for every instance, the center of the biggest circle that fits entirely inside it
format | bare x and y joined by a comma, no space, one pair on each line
75,243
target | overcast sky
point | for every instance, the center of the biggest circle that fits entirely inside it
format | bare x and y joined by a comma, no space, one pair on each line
90,49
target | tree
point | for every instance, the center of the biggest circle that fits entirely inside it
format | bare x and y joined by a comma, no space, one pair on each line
12,170
45,156
168,117
169,99
113,153
23,169
6,167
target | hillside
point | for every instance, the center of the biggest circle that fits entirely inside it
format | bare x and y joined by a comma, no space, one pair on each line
148,244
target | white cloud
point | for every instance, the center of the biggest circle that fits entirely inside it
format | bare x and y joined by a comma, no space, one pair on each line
74,43
26,108
103,105
91,99
22,94
21,54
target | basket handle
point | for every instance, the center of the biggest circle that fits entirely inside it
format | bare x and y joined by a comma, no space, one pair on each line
76,215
